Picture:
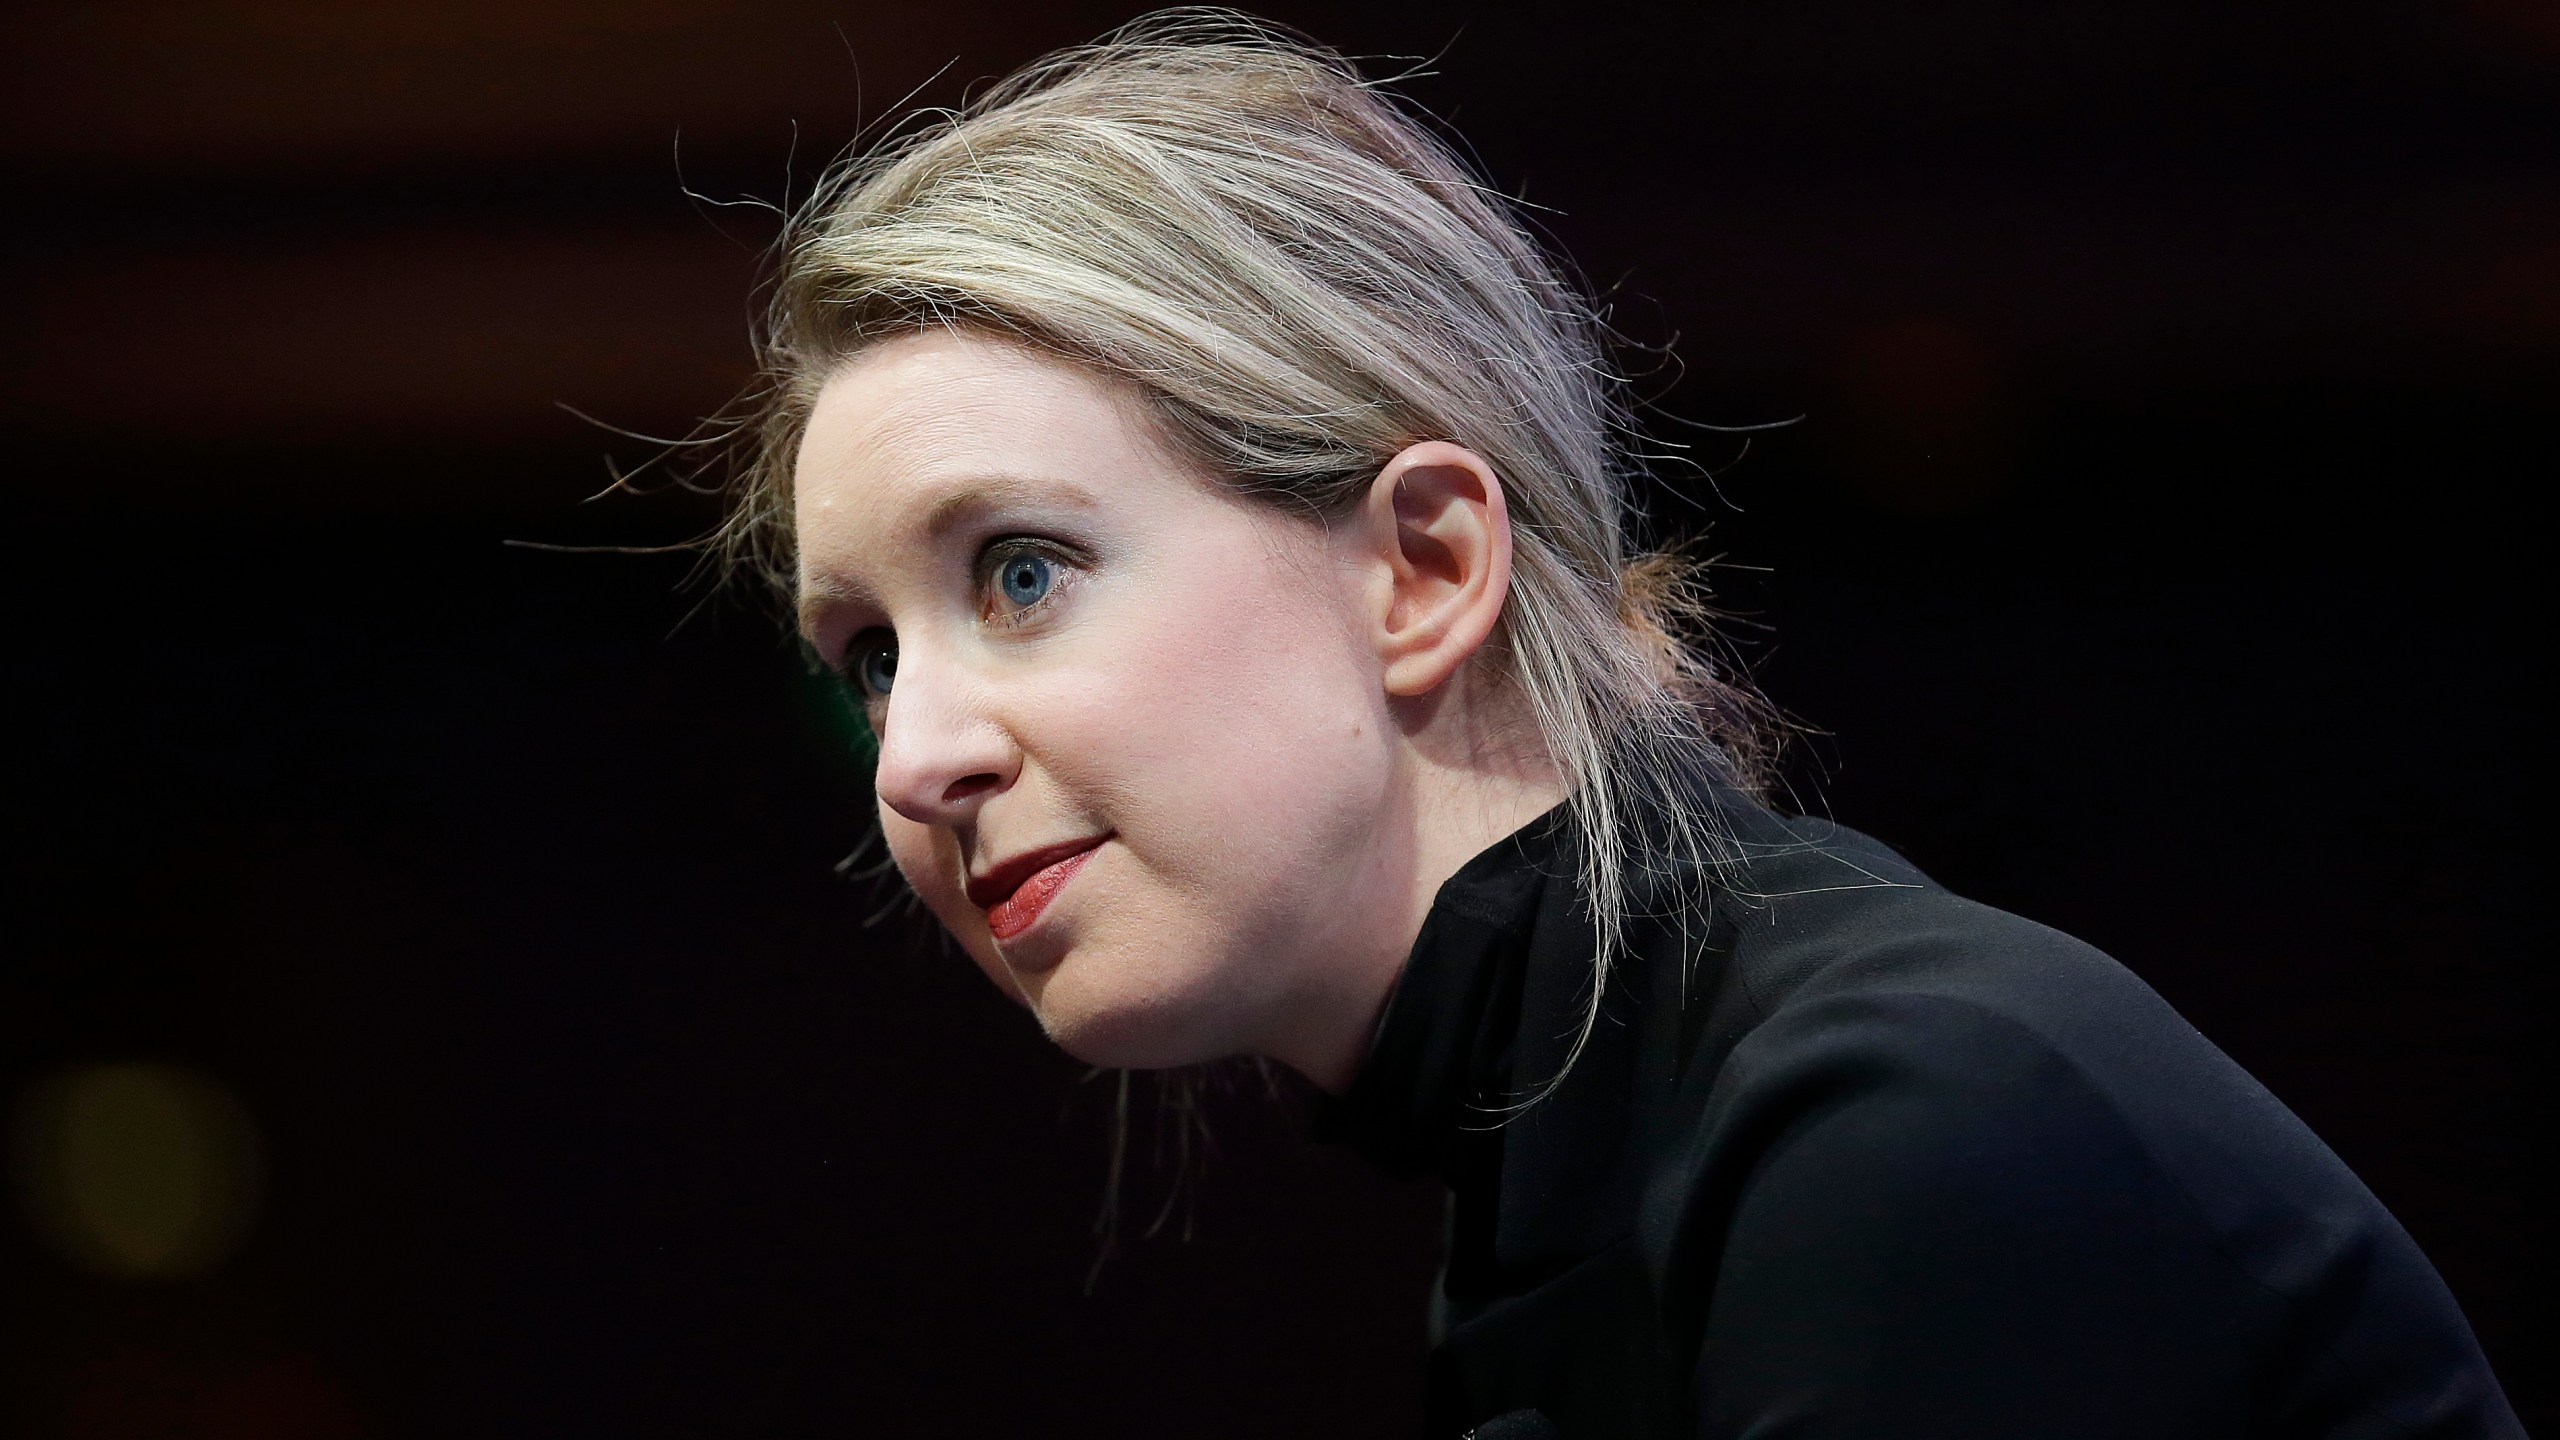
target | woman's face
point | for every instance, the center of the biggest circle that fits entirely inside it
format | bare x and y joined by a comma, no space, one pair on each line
1134,748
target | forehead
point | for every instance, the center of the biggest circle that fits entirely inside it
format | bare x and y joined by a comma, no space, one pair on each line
913,433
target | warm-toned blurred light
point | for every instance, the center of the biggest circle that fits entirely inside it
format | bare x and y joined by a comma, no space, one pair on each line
291,84
1924,427
2517,294
138,1170
391,335
2536,22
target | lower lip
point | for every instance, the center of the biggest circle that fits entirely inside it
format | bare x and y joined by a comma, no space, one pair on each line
1021,910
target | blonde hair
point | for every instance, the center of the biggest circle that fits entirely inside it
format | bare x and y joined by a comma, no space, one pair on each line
1301,280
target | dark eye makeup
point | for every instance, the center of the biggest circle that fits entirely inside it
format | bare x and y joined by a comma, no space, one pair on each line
1017,577
1017,574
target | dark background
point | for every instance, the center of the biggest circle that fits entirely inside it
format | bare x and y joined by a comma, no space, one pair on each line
2154,554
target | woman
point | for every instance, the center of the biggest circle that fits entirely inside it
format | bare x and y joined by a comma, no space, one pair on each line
1219,505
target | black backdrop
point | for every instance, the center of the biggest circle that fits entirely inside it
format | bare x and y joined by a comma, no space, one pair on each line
2153,556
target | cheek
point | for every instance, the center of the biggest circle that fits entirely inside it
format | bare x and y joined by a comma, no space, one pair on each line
1224,728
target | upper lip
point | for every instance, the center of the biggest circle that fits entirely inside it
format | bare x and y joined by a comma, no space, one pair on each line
995,884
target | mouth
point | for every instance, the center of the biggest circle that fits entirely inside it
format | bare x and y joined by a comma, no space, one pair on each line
1015,892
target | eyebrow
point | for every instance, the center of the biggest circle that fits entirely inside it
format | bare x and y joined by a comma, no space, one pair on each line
819,593
983,493
973,497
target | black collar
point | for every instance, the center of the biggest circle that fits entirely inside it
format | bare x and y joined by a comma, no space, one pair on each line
1440,1069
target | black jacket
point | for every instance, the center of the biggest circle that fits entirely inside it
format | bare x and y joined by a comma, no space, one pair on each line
1849,1156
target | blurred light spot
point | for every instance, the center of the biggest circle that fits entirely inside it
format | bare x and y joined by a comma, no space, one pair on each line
138,1170
1925,428
2537,22
275,84
387,334
209,1396
2517,294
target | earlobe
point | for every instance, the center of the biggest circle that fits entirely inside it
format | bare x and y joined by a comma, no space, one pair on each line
1442,534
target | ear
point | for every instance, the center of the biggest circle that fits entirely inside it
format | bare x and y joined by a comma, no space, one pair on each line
1436,533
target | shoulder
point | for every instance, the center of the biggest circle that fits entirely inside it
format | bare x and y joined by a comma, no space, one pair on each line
1931,1140
1875,1023
1835,955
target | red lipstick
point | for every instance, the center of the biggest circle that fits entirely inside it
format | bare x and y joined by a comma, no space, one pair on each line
1015,892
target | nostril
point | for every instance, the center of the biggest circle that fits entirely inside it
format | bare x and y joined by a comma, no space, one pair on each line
968,787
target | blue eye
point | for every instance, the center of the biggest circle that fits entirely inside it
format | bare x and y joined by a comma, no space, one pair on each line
875,664
1025,578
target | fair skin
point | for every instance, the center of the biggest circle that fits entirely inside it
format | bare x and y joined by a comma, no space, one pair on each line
1179,771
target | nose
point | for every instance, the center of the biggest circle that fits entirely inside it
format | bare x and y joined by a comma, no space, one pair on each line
942,754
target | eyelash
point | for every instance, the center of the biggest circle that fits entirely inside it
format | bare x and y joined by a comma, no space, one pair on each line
990,562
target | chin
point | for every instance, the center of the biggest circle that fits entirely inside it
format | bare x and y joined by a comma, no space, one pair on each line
1119,1028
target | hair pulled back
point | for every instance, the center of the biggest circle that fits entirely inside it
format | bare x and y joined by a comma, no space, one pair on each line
1301,280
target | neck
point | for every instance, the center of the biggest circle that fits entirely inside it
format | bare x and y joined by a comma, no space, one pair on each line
1468,782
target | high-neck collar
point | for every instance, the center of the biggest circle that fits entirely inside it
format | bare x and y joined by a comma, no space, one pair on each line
1440,1068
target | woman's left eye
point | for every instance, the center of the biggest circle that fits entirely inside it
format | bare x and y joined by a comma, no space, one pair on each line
1019,579
1024,579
